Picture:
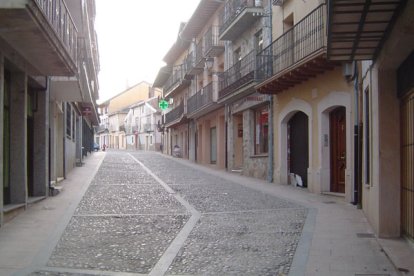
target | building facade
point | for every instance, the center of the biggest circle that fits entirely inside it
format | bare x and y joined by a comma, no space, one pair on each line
141,126
292,95
113,131
48,63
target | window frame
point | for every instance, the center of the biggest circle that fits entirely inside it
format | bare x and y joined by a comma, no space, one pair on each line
262,135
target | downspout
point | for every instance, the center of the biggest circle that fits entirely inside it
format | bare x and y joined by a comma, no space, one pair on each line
357,155
49,174
270,170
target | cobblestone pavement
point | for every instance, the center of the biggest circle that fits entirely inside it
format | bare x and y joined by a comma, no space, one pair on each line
145,213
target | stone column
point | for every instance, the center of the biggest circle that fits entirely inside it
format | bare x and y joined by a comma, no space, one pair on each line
1,134
18,138
41,144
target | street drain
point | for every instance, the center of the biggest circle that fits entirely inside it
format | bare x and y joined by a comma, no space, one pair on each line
329,202
366,235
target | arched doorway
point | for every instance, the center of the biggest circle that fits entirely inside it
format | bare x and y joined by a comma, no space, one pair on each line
298,146
337,126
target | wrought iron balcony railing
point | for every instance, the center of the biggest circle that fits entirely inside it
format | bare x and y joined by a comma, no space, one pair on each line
174,114
213,46
58,16
232,9
240,74
189,64
176,80
295,45
201,99
199,57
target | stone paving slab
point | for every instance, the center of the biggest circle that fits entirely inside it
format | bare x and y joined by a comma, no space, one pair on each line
250,243
125,244
128,199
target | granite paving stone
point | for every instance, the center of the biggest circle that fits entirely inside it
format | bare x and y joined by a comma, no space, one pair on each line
128,244
128,199
126,221
251,243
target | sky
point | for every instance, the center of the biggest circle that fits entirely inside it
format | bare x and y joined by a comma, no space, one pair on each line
133,38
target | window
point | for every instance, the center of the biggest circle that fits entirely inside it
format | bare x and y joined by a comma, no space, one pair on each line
258,41
237,55
261,130
68,120
73,124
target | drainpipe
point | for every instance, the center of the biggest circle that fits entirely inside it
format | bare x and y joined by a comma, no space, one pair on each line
270,141
357,155
270,130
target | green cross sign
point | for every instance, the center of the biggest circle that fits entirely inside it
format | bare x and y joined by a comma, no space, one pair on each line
163,104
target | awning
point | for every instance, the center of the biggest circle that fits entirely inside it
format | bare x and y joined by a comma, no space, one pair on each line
358,28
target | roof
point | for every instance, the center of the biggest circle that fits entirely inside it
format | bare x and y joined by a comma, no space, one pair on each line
163,74
200,17
178,47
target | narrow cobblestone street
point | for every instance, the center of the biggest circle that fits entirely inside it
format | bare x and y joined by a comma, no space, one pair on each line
147,214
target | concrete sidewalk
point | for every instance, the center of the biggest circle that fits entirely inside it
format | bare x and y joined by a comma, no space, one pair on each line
26,240
337,239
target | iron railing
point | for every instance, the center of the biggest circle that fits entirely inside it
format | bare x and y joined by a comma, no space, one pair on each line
175,113
58,15
148,127
175,79
189,63
199,57
200,99
238,75
232,9
211,40
305,38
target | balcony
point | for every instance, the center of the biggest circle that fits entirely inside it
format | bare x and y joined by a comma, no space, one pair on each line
238,80
148,128
203,101
237,16
175,115
296,56
176,81
81,86
43,33
194,62
213,46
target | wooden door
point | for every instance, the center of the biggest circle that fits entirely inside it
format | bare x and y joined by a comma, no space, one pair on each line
338,149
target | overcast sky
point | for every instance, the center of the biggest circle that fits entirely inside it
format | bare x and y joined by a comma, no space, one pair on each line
133,37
